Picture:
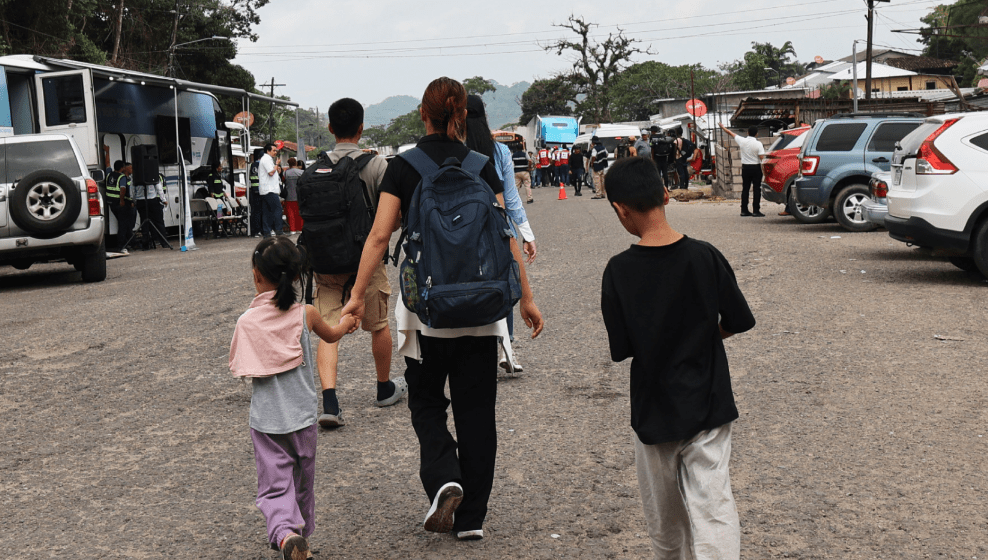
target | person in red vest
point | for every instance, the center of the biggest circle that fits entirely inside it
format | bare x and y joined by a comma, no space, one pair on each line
544,167
562,169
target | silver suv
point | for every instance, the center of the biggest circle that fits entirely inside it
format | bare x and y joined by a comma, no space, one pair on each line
50,207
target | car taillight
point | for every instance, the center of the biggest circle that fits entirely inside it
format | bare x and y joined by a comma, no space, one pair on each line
929,160
92,191
808,165
879,189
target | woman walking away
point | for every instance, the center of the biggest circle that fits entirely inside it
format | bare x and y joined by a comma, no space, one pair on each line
292,174
271,347
457,475
480,140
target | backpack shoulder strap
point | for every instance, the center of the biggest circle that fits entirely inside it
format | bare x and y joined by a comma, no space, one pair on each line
474,162
363,160
419,161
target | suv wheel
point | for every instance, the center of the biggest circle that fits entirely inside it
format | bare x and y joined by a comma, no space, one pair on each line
45,203
981,247
805,214
93,265
848,211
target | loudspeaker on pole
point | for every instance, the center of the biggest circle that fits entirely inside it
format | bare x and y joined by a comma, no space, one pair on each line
144,158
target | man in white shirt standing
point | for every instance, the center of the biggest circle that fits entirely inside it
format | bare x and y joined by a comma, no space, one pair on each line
751,170
270,187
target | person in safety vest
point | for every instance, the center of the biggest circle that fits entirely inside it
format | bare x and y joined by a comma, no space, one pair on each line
254,192
217,190
544,167
120,201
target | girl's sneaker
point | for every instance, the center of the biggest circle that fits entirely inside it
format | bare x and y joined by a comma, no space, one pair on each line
294,547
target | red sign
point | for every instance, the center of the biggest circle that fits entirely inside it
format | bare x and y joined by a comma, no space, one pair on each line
818,59
696,107
790,80
244,118
279,144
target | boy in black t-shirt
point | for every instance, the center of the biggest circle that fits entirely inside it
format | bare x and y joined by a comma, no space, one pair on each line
668,302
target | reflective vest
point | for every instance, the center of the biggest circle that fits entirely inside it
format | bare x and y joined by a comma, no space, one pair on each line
113,186
544,158
255,179
164,185
216,187
563,157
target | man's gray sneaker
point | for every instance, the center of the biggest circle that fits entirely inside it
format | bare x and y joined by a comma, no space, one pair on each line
332,420
401,387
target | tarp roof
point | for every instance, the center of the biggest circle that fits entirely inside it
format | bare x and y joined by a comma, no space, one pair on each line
131,75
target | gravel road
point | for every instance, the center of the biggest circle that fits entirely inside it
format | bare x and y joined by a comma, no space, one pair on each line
862,434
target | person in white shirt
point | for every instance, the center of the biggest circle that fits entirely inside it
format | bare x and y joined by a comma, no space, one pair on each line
270,187
752,151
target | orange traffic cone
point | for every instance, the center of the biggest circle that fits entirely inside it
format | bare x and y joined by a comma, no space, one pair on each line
562,191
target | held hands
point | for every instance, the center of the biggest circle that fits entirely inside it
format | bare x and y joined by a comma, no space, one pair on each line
349,323
354,307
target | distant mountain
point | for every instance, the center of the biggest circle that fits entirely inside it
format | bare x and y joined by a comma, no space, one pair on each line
383,112
502,106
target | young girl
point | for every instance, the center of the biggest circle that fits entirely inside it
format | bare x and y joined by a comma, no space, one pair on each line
271,347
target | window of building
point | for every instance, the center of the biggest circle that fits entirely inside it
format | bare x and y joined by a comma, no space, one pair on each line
931,85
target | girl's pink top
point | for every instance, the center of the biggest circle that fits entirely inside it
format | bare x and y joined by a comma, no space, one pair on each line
267,340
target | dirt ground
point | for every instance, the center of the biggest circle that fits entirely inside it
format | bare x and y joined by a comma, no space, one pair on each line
862,434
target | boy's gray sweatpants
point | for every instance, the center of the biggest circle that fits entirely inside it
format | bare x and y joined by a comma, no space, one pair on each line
686,494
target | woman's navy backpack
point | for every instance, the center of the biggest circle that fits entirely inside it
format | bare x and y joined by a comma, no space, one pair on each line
458,269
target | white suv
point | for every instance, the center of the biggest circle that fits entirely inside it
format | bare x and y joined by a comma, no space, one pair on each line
50,206
938,195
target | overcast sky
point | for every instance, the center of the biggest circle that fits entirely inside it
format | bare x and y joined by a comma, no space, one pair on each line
372,49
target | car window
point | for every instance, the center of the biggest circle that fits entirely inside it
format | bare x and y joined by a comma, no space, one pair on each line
840,137
981,141
910,142
27,157
887,134
787,141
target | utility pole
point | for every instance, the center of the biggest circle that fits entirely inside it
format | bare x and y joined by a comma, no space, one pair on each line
272,85
871,20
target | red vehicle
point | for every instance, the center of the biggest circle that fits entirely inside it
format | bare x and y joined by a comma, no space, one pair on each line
779,169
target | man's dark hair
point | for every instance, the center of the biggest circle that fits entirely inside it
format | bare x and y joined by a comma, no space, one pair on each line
635,182
752,131
345,116
119,164
268,147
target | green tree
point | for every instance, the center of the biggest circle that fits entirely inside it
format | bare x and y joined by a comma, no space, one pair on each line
748,73
965,41
554,96
595,65
777,58
478,86
636,89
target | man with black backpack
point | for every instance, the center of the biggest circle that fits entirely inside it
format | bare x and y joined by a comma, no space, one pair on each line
337,199
661,147
685,148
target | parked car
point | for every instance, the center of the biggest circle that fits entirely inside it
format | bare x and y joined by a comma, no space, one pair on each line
838,157
779,169
875,208
938,196
50,207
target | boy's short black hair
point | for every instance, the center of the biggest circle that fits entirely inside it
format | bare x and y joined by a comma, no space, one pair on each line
345,116
119,164
752,131
635,182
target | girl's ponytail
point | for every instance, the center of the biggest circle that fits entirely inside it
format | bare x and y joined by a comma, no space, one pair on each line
278,260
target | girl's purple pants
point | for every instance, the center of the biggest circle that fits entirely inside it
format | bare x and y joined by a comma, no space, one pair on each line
286,466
